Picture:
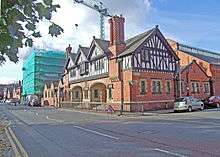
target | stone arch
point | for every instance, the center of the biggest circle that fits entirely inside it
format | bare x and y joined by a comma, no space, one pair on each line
77,94
98,92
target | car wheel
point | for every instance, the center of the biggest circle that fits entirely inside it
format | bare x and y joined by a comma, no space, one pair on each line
218,105
202,107
190,109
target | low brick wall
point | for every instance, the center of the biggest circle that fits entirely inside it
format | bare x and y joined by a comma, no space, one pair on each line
128,107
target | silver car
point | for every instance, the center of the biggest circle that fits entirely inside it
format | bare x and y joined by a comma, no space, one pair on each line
188,104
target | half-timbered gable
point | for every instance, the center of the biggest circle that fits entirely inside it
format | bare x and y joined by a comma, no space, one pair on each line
98,57
150,51
81,65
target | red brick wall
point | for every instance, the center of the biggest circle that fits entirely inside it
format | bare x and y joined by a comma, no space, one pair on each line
216,79
149,100
195,74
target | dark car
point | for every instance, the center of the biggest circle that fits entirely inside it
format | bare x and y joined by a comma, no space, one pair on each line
213,101
15,101
32,100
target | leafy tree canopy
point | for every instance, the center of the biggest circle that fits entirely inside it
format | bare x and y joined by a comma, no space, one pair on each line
18,24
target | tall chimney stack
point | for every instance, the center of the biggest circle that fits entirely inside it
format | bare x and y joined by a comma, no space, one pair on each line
117,39
68,51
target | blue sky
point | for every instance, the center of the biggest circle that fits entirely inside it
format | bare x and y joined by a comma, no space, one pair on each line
192,22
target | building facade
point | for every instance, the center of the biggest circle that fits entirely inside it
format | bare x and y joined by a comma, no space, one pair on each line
137,74
50,94
208,61
41,66
194,81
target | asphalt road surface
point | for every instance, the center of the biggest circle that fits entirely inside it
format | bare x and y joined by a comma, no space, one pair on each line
49,132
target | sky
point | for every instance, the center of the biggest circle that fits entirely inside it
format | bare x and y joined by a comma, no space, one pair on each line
192,22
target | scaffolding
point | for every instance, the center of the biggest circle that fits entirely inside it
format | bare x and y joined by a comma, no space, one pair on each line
40,67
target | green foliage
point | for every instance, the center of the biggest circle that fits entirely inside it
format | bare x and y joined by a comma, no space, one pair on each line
18,25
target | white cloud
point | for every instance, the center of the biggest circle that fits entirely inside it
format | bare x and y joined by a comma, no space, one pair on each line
134,11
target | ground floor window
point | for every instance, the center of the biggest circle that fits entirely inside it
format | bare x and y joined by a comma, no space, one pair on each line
156,86
96,93
45,94
168,87
76,94
206,87
110,93
52,94
143,87
195,87
86,95
182,87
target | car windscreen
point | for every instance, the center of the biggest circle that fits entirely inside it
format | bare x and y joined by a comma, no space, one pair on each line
180,100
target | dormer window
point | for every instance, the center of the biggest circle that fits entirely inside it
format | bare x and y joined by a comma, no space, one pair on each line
99,64
96,52
84,68
72,73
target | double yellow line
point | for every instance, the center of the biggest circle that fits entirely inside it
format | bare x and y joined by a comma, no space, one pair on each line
17,147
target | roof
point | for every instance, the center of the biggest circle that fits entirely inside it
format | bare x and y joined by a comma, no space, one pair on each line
73,56
208,56
183,68
56,83
48,84
103,44
133,43
85,50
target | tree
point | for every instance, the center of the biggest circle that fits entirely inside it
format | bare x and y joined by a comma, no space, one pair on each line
18,24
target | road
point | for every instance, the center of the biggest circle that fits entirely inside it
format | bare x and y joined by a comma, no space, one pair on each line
49,132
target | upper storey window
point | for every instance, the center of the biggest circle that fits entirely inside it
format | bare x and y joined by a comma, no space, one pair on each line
96,52
84,68
99,65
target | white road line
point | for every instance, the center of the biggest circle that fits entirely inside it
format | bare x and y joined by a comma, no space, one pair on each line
97,133
14,148
169,152
21,148
59,121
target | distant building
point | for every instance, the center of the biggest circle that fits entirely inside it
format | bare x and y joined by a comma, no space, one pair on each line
41,66
207,60
17,91
194,81
10,91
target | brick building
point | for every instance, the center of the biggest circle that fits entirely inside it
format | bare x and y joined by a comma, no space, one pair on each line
139,73
194,81
208,61
50,97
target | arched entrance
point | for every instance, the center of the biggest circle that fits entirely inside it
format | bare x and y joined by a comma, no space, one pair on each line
98,92
76,94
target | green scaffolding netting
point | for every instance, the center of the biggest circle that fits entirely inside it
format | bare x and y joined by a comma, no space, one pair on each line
39,67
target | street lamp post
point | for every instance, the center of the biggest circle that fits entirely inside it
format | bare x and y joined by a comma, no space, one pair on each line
122,85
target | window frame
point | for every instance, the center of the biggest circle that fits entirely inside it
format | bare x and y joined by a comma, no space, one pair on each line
158,88
143,87
170,87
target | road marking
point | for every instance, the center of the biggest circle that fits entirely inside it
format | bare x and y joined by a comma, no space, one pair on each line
21,148
37,114
169,152
59,121
14,148
95,132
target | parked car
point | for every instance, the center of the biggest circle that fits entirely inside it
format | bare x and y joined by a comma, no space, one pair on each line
213,101
188,104
8,100
15,101
32,100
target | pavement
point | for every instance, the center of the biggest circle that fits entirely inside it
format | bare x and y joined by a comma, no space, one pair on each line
49,132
